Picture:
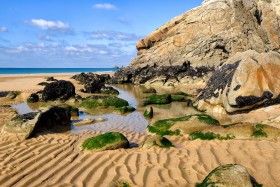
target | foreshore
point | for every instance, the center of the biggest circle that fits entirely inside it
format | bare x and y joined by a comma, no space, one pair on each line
56,159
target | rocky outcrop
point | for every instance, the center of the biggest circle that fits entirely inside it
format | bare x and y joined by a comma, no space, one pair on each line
229,175
54,119
61,90
247,81
94,83
203,38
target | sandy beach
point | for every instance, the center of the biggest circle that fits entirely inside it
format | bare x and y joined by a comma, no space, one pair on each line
56,159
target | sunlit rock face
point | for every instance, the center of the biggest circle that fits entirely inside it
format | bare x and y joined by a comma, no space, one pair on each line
247,81
205,37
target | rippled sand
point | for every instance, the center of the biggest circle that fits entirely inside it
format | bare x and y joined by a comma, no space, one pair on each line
55,160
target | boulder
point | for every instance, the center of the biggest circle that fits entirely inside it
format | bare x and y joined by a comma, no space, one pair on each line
247,81
229,175
54,119
59,90
158,141
94,102
107,141
200,40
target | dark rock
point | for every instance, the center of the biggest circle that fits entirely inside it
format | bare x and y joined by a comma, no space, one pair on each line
33,98
56,119
94,83
142,75
61,90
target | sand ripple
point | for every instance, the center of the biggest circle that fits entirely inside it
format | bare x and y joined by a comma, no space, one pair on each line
55,160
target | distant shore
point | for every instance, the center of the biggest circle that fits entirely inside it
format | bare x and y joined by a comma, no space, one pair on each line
29,82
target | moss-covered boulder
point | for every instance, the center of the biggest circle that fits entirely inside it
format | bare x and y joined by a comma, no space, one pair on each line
125,109
103,102
229,175
158,141
149,113
183,125
158,99
150,90
107,141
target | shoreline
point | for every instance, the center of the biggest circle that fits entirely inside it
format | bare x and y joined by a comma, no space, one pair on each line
54,74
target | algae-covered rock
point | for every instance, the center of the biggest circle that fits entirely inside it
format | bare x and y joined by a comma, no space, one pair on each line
125,109
120,183
107,141
108,90
229,175
149,113
150,90
159,141
103,102
158,99
183,125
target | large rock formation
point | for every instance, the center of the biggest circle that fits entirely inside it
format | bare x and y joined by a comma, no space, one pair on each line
247,81
196,42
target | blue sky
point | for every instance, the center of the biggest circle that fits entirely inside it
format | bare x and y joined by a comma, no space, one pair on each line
72,33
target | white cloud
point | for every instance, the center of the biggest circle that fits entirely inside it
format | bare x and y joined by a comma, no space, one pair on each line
52,25
113,35
106,6
3,29
43,37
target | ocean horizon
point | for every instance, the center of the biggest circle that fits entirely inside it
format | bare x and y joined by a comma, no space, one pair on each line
8,71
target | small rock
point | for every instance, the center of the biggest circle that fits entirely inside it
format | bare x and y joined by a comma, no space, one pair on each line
149,113
84,122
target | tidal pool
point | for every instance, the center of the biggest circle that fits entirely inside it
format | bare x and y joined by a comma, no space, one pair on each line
132,122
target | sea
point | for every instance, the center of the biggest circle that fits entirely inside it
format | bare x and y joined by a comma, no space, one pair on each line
53,70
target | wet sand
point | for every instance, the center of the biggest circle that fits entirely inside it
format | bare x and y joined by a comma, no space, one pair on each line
56,159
